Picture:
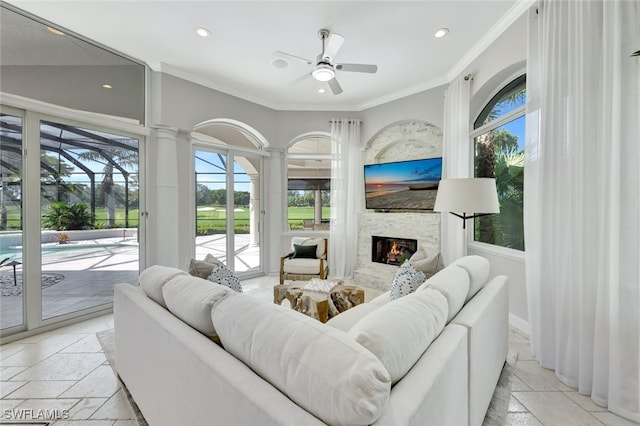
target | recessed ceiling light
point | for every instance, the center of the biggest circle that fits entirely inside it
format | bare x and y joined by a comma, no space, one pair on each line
203,32
441,33
322,90
55,31
107,86
279,63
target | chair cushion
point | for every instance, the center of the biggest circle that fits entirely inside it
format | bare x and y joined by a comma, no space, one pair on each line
154,278
429,265
298,355
399,332
302,266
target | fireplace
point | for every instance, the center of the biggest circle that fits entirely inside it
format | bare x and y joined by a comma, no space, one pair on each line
392,250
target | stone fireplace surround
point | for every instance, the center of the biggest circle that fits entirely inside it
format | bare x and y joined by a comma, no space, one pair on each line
402,140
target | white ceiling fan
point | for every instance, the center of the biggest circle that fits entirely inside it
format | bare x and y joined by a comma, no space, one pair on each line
323,68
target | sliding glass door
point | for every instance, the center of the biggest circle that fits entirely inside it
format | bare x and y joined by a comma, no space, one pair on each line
227,198
69,218
89,216
11,256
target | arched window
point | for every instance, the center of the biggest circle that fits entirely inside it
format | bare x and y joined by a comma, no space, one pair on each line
309,182
498,139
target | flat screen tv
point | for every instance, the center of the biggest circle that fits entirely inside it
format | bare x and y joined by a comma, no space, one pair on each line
402,185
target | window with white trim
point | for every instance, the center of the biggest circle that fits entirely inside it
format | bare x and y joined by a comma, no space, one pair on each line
498,140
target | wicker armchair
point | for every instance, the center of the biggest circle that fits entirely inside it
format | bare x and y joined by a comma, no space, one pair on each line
305,268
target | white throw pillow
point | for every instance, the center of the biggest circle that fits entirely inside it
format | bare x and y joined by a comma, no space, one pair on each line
191,299
478,269
429,265
154,278
453,283
223,275
318,367
399,332
406,281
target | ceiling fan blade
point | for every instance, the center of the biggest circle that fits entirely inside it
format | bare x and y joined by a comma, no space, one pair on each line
357,68
333,45
302,78
335,86
289,55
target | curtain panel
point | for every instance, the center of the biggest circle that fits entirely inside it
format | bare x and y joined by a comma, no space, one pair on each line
347,199
582,197
456,158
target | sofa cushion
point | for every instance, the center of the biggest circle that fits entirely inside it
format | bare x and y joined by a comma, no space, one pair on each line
405,281
204,268
223,275
399,332
478,269
317,366
453,283
382,299
154,278
348,318
191,299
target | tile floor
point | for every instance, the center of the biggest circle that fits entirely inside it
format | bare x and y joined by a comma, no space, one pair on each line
66,370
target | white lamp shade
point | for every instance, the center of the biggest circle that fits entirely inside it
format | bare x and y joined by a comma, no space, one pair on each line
467,195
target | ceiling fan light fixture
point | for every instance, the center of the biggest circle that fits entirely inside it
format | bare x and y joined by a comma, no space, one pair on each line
323,72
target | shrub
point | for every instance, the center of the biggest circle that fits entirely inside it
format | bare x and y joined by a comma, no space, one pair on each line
64,217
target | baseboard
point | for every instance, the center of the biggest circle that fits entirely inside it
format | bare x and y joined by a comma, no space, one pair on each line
520,324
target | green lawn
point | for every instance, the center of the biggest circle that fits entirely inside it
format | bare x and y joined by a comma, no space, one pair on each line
210,219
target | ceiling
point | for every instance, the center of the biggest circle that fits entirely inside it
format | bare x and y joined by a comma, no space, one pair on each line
236,57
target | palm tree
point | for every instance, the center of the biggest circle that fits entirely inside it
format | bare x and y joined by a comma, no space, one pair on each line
110,158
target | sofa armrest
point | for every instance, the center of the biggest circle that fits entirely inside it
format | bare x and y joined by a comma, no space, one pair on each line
486,317
434,391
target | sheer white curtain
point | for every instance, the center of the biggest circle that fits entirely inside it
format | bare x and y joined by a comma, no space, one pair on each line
456,153
582,192
347,199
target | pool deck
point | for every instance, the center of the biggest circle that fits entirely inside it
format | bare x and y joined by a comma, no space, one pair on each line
90,268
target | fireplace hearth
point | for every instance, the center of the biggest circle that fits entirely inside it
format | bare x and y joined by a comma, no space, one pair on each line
392,250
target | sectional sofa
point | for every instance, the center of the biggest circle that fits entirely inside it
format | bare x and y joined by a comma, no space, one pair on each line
194,352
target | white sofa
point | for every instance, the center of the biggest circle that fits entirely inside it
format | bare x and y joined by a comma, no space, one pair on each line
281,367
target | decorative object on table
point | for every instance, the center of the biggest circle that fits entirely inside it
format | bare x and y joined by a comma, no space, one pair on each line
316,302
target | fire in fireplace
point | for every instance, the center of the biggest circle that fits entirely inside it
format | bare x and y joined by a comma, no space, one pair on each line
391,250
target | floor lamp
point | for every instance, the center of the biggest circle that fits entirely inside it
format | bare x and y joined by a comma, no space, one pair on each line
467,198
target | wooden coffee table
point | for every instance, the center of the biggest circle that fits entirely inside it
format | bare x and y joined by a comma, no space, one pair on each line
316,304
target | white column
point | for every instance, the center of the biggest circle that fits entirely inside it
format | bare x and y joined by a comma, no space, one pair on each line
254,210
317,215
167,197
